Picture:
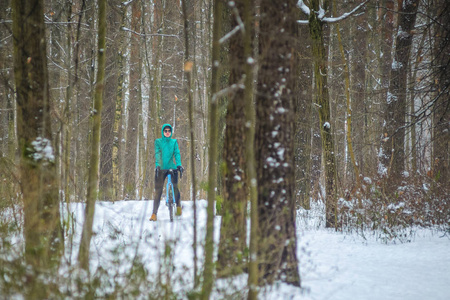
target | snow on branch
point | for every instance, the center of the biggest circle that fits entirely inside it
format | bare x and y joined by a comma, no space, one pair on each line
321,13
303,7
229,34
238,27
346,15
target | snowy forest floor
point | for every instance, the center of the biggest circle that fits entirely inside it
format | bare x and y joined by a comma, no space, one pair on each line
333,265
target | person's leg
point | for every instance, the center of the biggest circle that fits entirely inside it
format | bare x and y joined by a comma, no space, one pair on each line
176,190
159,184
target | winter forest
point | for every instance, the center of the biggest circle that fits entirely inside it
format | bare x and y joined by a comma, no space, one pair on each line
286,113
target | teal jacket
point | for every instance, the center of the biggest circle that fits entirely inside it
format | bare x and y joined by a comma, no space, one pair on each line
167,153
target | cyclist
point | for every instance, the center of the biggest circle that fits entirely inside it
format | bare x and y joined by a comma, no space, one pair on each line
167,156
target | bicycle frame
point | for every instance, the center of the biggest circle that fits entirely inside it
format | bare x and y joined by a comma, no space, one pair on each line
170,201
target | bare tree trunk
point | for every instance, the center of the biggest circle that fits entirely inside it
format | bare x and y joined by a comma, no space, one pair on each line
189,65
349,113
393,147
42,226
8,142
323,101
441,116
235,191
109,103
359,30
208,274
253,275
274,142
118,145
303,136
133,106
68,109
92,191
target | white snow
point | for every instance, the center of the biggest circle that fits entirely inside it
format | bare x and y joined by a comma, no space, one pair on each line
42,150
333,265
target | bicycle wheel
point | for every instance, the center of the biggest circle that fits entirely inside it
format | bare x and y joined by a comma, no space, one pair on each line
171,206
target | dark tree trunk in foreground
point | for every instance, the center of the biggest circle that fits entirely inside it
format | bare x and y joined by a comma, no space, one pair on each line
274,142
42,227
233,229
208,274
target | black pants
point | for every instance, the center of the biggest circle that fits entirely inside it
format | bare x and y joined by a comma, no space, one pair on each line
159,185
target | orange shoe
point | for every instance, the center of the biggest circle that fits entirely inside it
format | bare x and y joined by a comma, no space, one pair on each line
153,217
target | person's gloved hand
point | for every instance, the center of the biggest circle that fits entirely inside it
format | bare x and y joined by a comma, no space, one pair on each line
157,169
180,169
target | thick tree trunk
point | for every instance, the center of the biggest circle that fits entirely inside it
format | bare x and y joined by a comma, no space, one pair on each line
393,144
274,142
253,274
42,226
233,228
109,103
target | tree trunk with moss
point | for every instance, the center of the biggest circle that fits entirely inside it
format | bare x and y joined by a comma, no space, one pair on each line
118,146
208,269
322,99
234,192
42,226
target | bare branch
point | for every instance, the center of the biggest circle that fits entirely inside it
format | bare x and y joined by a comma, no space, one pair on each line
346,15
147,34
321,13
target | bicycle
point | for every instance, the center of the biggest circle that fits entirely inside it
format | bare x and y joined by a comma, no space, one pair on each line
170,193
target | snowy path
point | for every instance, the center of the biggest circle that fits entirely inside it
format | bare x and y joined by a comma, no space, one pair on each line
333,265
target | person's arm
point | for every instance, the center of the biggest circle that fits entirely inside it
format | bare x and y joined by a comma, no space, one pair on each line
177,154
157,153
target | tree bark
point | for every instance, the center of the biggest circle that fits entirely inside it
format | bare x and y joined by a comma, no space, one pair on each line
42,226
130,180
322,99
441,115
118,145
393,144
208,275
303,111
274,143
93,180
235,191
189,66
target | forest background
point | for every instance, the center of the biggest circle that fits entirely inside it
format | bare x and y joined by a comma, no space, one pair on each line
343,102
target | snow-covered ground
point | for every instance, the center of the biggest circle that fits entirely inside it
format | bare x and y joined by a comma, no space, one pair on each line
332,265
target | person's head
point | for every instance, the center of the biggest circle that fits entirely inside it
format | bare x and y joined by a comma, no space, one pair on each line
167,130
